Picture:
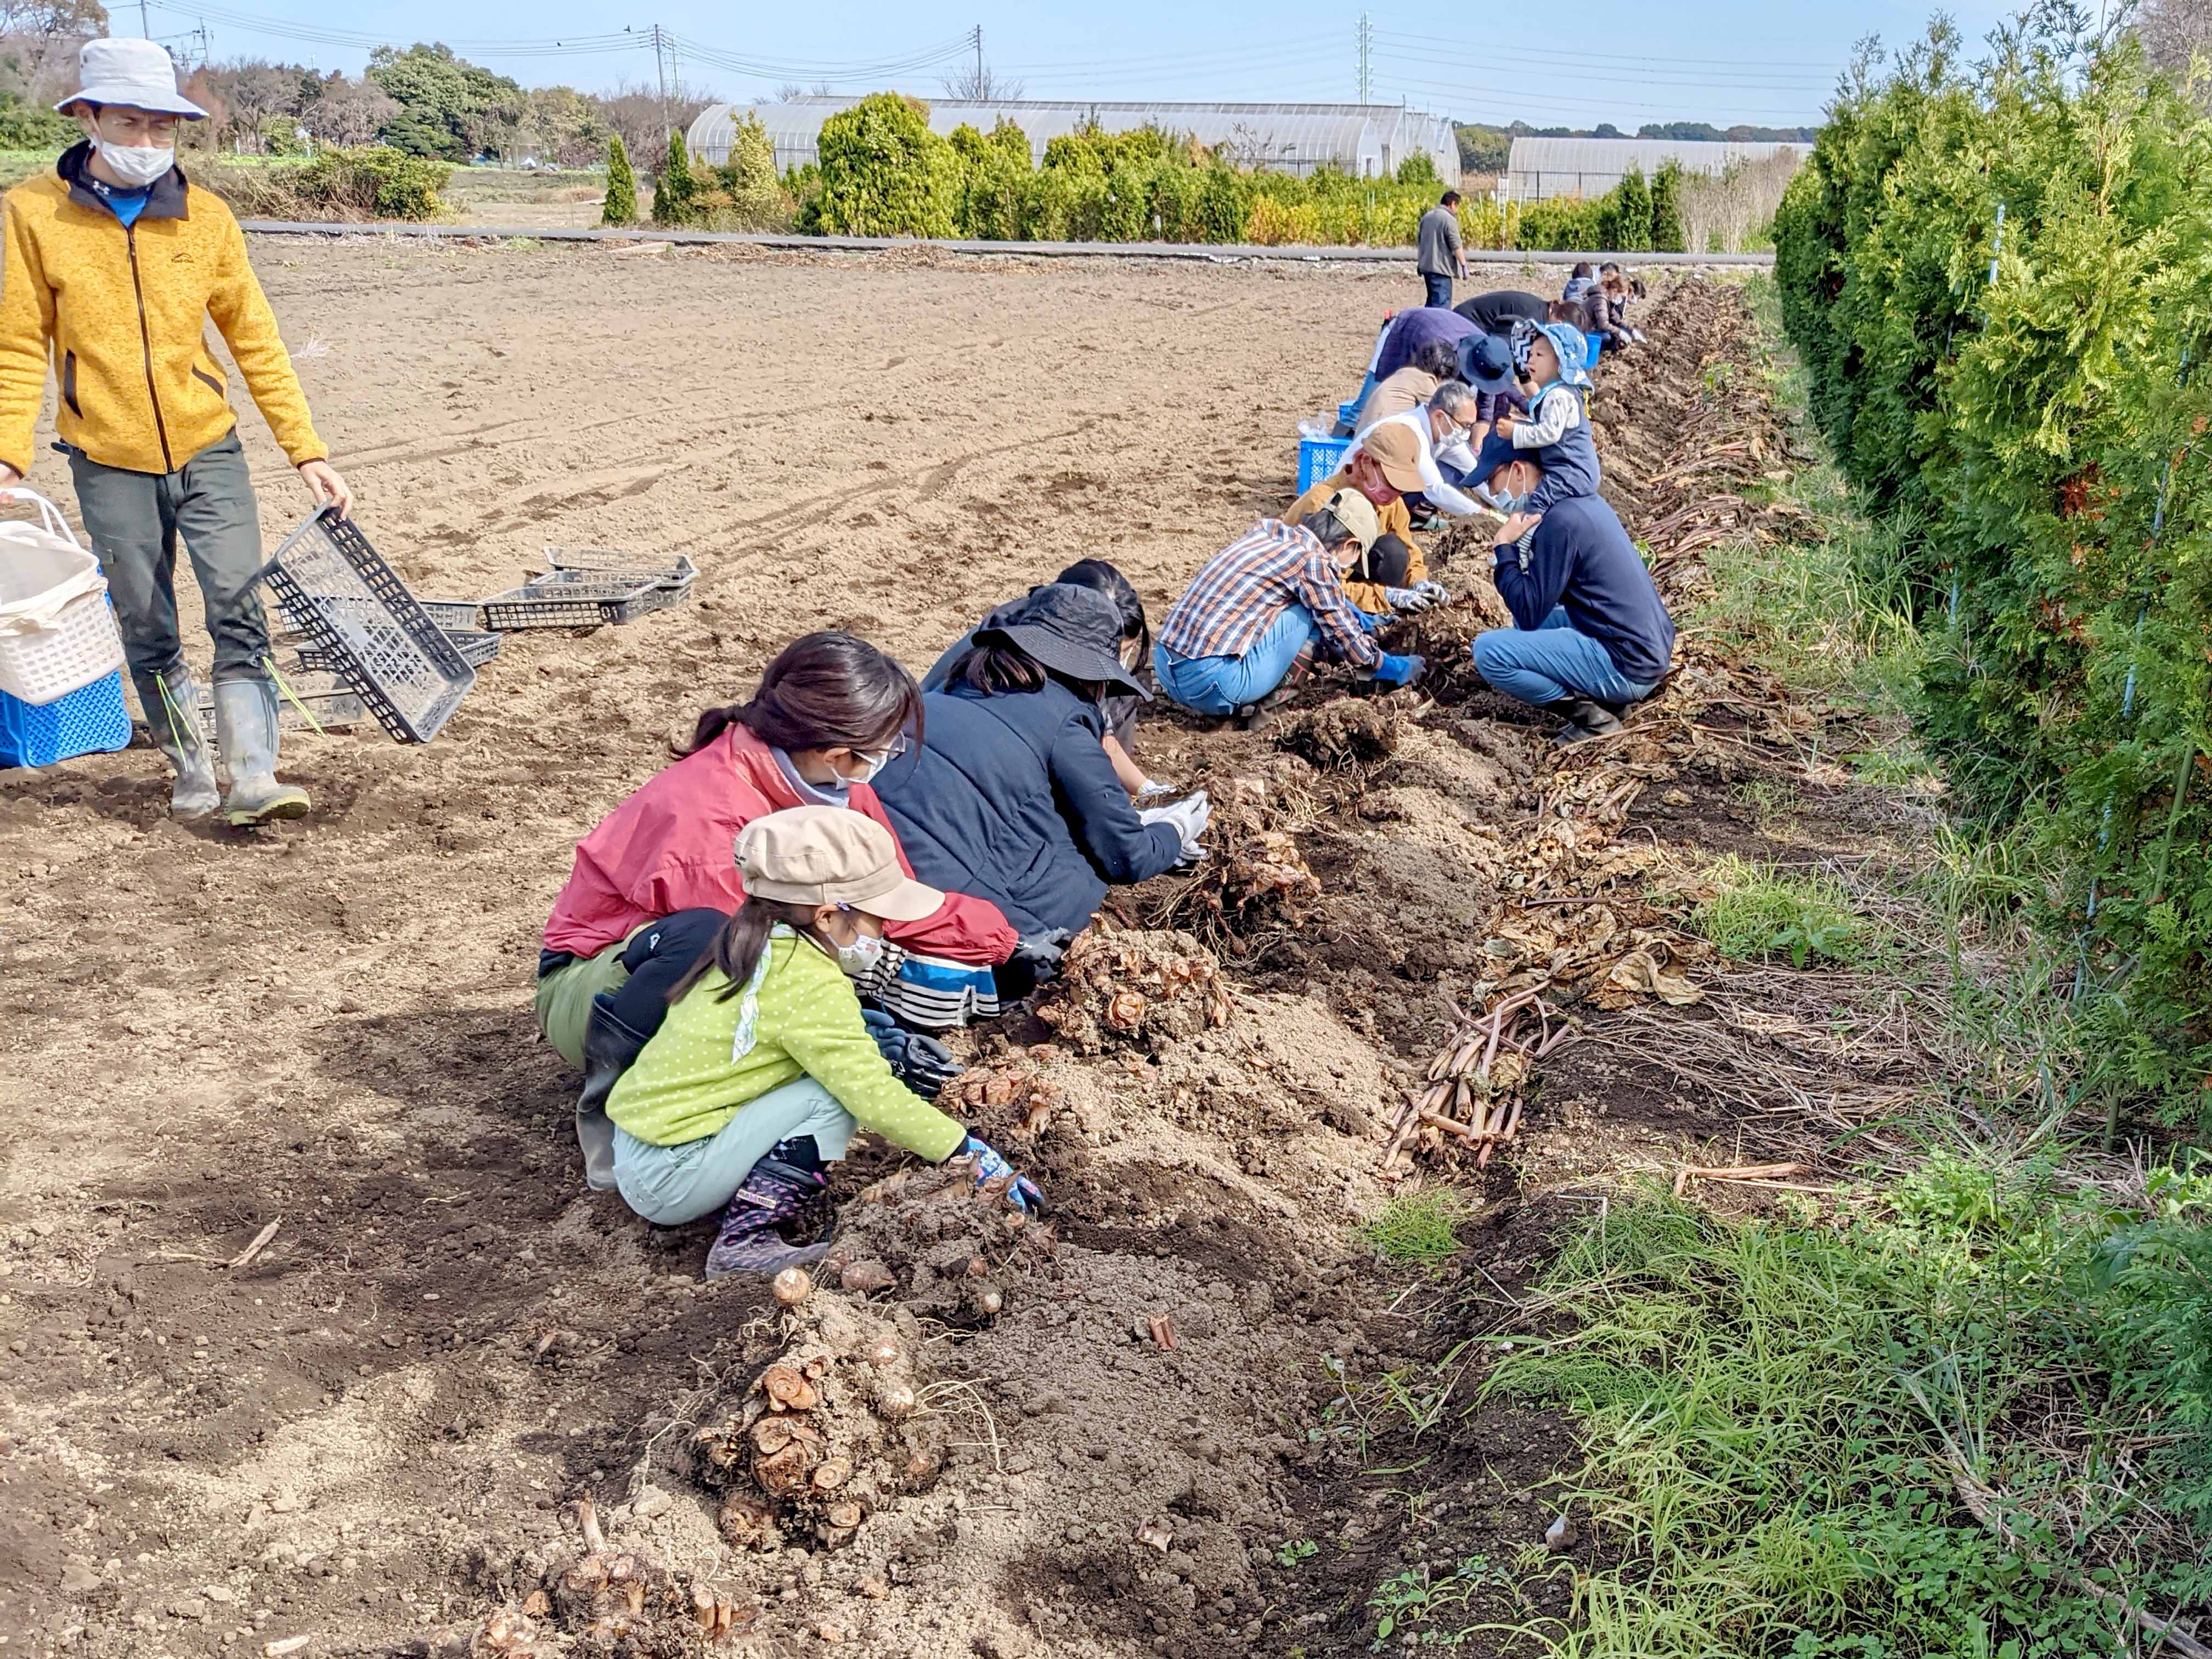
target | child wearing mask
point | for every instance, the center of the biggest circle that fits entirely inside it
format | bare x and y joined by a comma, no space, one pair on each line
764,1067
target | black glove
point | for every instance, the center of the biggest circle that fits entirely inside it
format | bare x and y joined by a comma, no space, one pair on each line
922,1063
1042,952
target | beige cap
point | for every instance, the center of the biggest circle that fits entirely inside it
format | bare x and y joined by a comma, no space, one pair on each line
1356,514
830,855
1397,452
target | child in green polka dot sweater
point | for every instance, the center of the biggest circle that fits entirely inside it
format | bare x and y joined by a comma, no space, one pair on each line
764,1066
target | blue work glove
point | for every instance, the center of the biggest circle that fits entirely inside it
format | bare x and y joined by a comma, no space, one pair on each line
1400,670
1042,952
1021,1192
922,1063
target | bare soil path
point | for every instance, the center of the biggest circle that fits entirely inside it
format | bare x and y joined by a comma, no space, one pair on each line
370,1434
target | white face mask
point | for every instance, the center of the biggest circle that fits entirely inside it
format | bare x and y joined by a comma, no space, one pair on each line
136,165
871,768
860,956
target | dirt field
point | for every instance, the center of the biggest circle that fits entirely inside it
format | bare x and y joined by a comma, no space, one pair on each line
371,1435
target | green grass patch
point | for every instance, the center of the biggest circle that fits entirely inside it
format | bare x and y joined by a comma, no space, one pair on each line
1415,1229
1781,1420
1762,911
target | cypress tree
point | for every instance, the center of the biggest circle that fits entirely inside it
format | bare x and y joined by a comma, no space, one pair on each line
621,207
675,190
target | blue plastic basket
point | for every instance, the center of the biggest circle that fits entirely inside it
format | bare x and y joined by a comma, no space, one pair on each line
92,720
1317,459
1348,413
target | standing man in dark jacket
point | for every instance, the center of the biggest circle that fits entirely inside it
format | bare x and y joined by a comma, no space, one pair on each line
1439,258
1590,635
1011,789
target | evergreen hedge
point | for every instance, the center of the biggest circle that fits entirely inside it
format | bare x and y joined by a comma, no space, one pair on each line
883,172
2042,436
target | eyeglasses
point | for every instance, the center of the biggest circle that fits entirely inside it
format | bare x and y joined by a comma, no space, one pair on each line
898,747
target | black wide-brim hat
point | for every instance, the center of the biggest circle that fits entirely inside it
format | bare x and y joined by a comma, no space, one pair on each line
1071,630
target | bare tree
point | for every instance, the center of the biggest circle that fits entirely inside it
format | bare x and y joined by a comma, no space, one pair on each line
39,43
789,91
637,113
982,84
348,112
2173,30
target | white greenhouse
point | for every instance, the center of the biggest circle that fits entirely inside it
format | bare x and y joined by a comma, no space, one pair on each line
1365,140
1539,168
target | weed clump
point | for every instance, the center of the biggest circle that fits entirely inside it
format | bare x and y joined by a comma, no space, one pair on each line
1760,912
1415,1229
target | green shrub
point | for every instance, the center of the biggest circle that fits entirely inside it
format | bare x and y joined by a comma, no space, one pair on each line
1666,207
1625,216
675,191
885,173
748,195
2044,430
1420,170
373,181
621,207
280,135
26,125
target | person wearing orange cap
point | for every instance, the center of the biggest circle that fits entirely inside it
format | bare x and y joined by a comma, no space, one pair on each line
1392,576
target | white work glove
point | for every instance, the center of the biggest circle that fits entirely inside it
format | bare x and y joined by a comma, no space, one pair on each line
1153,789
1408,601
1434,592
1189,818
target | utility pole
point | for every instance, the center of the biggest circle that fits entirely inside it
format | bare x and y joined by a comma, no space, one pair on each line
978,60
1366,50
144,28
660,64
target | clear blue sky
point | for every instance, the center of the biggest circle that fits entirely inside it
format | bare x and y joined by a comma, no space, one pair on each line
1624,61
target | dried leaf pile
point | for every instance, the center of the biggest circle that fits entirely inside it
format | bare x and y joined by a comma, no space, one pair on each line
1351,732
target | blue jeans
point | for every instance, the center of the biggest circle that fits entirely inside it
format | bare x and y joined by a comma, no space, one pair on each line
1546,663
1222,685
671,1185
1439,290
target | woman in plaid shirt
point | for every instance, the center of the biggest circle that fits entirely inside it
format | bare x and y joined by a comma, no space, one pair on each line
1253,620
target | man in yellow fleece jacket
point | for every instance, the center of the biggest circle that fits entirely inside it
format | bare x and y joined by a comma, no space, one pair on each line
113,265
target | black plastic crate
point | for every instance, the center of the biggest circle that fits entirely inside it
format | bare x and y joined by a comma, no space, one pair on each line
359,617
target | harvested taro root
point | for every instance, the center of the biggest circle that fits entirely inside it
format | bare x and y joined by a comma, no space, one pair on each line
1136,990
827,1435
949,1248
1253,881
606,1602
1351,732
1018,1086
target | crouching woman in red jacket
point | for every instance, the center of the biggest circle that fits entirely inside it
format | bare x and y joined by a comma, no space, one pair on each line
654,883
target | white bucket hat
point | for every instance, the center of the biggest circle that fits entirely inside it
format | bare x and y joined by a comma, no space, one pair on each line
132,72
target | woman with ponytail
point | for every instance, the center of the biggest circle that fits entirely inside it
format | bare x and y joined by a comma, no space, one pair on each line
654,883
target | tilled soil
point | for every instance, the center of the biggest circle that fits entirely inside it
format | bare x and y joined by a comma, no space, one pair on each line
1107,1433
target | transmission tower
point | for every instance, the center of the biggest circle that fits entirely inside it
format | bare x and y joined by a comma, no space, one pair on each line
1366,57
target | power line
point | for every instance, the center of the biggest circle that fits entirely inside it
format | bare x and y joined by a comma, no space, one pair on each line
1479,55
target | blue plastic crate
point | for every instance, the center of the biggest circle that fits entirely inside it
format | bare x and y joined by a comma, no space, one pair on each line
92,720
1317,459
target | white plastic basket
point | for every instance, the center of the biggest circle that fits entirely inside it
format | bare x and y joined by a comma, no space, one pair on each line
57,632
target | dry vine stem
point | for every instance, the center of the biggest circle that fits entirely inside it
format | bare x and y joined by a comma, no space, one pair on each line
1473,1088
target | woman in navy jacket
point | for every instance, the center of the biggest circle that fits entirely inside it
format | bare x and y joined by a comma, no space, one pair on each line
1012,791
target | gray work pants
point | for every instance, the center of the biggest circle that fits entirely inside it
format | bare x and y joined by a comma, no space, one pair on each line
134,519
